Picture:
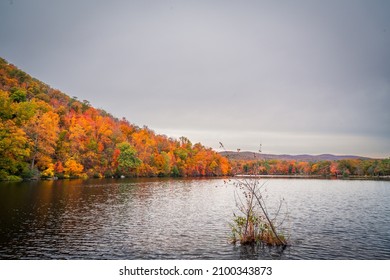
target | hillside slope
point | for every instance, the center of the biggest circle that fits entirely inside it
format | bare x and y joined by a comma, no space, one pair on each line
46,133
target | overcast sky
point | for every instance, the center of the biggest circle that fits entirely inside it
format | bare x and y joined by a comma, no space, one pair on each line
297,76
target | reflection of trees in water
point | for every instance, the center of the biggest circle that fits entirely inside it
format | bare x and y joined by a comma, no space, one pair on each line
260,251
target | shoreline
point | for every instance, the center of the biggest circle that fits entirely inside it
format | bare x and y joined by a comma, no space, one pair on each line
375,178
262,176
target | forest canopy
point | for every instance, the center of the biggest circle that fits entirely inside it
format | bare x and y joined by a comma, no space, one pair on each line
46,133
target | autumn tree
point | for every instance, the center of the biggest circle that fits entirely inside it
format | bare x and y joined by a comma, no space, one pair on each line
73,168
13,140
13,149
42,130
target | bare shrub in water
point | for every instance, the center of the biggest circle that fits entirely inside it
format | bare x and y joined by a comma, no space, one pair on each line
254,224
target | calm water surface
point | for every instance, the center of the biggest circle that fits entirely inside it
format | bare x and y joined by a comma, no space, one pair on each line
187,219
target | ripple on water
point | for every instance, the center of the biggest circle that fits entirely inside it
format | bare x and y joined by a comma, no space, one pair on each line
188,219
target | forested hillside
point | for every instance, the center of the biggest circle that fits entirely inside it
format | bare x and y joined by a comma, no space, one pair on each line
46,133
325,168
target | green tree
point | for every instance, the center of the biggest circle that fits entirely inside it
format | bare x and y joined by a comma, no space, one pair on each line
127,160
175,172
18,95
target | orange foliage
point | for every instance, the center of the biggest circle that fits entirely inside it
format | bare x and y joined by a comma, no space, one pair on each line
77,137
73,168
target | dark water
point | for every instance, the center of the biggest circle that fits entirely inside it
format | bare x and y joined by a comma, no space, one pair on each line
187,219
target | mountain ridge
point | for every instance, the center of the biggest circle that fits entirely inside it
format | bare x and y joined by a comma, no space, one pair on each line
247,155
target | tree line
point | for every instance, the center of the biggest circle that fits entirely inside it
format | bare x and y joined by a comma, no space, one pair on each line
46,133
338,168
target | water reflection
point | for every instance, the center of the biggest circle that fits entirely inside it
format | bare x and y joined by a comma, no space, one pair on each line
260,251
187,219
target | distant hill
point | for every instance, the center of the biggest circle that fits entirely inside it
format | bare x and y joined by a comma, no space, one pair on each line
309,158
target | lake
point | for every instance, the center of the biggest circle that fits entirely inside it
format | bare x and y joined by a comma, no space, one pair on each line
188,219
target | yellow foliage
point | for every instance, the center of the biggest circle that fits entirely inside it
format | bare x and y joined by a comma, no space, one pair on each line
49,172
73,168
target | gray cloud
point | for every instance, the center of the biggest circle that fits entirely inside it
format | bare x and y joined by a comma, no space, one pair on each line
304,76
